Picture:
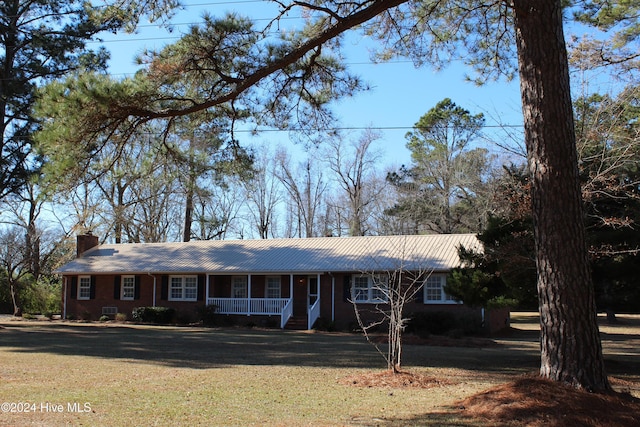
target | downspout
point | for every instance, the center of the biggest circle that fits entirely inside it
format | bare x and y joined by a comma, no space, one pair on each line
333,297
64,298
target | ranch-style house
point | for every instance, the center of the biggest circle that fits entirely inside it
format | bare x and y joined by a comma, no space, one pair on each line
287,282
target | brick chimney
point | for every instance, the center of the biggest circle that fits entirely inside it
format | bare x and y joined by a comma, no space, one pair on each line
85,242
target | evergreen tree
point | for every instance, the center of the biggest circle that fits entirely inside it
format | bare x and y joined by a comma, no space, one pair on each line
444,188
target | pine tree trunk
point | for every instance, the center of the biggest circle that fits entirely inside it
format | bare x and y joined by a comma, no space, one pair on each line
571,350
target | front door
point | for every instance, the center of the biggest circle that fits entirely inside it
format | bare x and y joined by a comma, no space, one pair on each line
300,296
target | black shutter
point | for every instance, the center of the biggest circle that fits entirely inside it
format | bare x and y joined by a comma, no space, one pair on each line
346,291
92,289
422,280
136,289
74,287
164,288
202,281
116,287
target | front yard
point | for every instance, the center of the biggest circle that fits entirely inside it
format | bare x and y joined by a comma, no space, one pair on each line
60,373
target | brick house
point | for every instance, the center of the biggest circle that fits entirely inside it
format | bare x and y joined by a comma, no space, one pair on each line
289,281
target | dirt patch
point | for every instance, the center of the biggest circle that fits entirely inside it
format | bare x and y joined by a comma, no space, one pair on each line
533,401
394,380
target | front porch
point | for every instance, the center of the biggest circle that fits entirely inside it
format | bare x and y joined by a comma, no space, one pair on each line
301,299
282,307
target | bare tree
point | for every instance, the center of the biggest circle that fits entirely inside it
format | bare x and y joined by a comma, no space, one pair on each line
354,168
263,194
305,186
390,289
14,262
218,210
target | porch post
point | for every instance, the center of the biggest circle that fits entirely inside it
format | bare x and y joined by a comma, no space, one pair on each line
206,291
291,287
249,294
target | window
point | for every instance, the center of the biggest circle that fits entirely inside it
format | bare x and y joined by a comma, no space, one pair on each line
239,287
183,288
369,289
128,287
434,291
84,287
273,287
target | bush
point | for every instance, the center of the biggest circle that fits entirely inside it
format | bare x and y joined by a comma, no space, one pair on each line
121,317
271,322
323,324
104,318
207,315
470,323
428,323
431,322
153,314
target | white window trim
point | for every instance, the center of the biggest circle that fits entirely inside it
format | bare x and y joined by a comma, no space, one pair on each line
266,286
81,287
237,282
183,288
370,289
133,293
444,298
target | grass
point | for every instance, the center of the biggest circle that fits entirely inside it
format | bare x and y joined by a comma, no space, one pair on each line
131,375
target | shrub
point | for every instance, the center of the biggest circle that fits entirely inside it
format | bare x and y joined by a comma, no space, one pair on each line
207,315
428,323
104,318
121,317
323,324
470,323
153,314
431,322
271,322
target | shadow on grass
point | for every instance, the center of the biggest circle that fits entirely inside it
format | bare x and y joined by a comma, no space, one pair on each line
211,348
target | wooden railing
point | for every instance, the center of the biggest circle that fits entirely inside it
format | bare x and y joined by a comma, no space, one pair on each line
287,313
249,306
314,313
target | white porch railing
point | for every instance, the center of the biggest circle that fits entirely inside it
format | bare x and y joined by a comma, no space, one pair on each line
265,306
314,313
287,313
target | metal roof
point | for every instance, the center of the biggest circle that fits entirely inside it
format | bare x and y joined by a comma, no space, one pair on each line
436,252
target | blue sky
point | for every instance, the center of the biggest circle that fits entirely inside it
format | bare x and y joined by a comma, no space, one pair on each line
400,93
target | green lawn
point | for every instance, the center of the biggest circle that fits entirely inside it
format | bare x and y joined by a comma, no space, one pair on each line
133,375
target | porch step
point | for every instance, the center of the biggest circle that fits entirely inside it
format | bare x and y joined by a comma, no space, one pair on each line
297,323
